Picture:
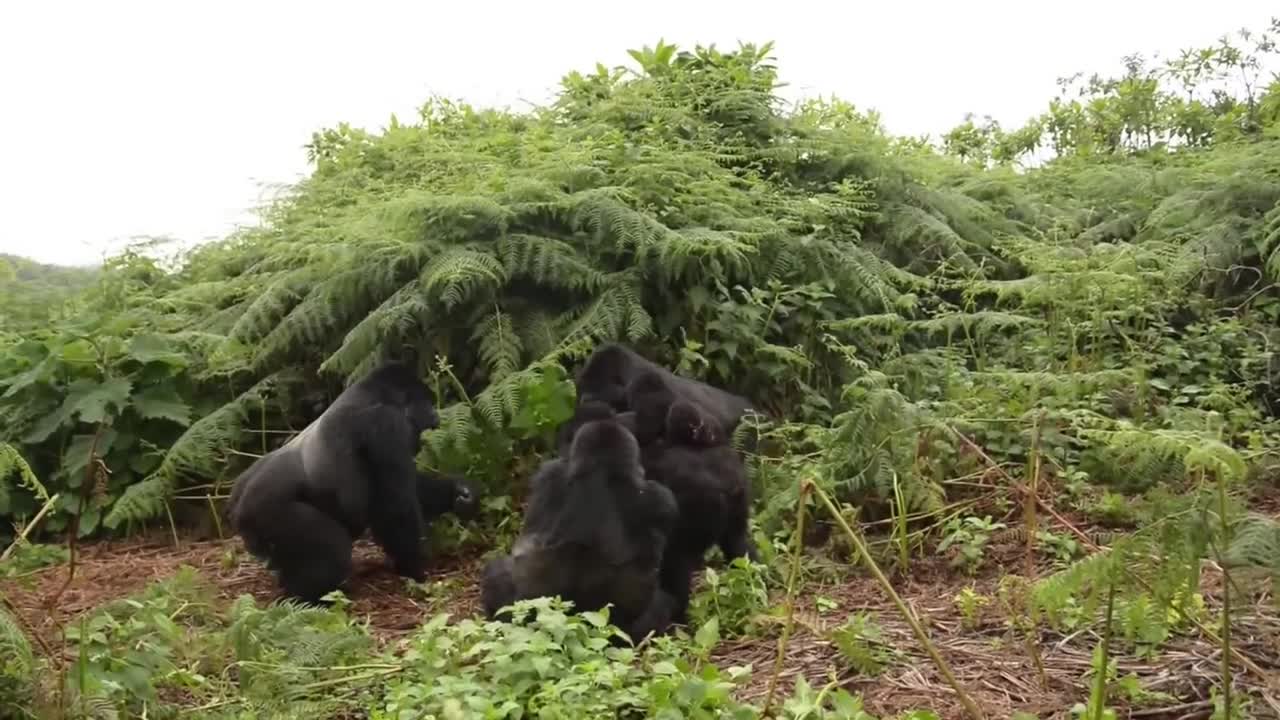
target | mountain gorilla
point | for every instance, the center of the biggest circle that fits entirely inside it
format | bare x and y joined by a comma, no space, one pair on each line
612,368
685,449
594,534
585,412
301,506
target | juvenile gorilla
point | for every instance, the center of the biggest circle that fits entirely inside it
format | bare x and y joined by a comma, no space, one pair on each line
685,449
301,506
594,534
612,368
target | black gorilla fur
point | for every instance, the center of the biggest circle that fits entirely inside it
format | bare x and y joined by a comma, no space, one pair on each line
685,449
594,534
585,412
301,506
612,368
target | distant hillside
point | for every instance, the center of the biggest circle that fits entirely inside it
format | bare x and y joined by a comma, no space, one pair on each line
28,289
30,272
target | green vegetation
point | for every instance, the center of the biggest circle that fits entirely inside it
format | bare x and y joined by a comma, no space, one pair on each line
1058,375
30,291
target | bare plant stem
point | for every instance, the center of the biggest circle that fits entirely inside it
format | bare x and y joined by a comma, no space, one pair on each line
1029,517
792,582
1226,596
26,530
1100,682
90,467
970,707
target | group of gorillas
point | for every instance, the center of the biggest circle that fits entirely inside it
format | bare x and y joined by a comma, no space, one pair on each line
645,482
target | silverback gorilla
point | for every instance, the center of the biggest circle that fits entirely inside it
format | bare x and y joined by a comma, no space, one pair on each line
684,448
594,534
301,506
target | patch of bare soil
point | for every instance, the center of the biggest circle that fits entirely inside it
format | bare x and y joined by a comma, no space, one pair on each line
110,570
992,663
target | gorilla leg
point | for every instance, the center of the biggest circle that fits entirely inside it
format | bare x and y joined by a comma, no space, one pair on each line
736,540
403,548
497,586
677,580
656,618
311,553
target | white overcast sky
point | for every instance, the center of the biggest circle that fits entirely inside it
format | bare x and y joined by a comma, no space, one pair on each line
129,118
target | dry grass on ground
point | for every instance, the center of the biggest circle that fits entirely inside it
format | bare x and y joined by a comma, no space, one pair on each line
993,665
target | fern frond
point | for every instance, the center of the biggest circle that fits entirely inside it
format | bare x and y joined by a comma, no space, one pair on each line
1255,543
498,346
272,304
915,232
548,262
459,275
197,453
11,463
362,340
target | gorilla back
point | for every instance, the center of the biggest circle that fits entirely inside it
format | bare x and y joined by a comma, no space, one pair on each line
711,488
594,533
612,368
301,506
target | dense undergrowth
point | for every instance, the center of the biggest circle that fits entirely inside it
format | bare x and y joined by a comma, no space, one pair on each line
948,343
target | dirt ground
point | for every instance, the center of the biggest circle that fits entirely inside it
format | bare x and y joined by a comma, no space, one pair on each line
993,665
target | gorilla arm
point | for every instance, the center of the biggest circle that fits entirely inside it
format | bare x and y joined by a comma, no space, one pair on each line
395,513
442,494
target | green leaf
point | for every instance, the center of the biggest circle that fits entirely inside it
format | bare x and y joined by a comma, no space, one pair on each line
76,457
78,352
148,347
162,402
22,381
90,399
89,520
47,425
708,635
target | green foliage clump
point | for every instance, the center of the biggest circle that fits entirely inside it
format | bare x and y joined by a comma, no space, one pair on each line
733,598
551,665
18,670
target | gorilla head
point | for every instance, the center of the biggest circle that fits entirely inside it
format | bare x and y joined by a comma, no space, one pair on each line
603,448
605,376
586,411
687,424
400,386
650,396
441,494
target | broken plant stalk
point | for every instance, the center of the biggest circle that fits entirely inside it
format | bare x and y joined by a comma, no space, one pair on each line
970,707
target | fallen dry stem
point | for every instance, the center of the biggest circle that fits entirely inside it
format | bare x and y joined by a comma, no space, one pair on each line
971,708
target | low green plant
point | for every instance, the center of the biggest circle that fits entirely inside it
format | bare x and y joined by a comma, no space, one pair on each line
734,597
129,648
551,663
1114,510
860,641
29,557
970,603
969,535
1063,548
